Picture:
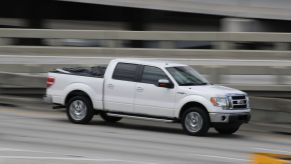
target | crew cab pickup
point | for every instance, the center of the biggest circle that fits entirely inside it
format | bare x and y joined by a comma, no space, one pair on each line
152,90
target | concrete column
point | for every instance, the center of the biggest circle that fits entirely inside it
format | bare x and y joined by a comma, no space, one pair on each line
215,74
136,23
282,46
33,10
112,43
167,44
237,25
241,25
279,72
223,45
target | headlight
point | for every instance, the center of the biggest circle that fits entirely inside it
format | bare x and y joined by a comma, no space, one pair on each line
220,102
248,101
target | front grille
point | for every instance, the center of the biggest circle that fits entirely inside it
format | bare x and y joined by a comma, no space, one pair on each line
238,102
238,97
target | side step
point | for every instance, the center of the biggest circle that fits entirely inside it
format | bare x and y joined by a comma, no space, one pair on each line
142,117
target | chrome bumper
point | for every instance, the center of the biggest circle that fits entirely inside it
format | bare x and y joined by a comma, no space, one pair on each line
230,117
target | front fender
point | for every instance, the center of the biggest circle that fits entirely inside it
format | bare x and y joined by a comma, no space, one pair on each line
194,98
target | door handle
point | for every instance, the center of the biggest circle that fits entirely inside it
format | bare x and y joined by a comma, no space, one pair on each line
139,89
110,85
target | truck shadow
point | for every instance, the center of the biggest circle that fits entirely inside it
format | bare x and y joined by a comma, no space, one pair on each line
160,128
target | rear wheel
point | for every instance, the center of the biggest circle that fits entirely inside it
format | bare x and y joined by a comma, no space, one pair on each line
111,119
195,121
227,129
80,110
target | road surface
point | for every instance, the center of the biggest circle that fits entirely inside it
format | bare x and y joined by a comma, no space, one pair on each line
37,134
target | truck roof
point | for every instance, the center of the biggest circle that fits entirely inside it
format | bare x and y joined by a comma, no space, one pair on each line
151,62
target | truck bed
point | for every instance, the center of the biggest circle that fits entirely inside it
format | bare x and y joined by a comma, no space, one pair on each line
89,80
97,71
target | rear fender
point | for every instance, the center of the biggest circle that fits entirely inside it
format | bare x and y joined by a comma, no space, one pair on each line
96,100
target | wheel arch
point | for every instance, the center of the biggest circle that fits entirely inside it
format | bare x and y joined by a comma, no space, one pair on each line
192,104
74,93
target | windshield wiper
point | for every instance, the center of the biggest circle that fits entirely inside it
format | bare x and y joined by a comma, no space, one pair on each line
188,84
203,84
192,84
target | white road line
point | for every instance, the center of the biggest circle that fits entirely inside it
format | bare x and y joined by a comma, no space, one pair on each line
273,150
77,157
222,157
72,159
117,160
10,149
80,158
32,151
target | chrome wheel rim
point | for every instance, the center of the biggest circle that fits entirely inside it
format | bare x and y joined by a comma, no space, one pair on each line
78,110
193,122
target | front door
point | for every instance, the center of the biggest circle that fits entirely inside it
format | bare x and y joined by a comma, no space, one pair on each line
150,99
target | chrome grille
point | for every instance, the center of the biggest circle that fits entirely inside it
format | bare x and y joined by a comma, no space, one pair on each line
238,101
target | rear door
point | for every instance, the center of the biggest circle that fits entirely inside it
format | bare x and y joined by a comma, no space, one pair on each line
151,99
119,90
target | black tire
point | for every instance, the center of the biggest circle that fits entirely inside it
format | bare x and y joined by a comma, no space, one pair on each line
204,120
111,119
88,111
227,129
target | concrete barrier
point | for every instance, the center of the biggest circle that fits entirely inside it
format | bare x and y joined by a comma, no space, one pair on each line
271,110
146,35
145,52
29,81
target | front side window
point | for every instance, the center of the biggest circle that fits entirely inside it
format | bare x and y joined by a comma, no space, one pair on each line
187,76
125,71
152,75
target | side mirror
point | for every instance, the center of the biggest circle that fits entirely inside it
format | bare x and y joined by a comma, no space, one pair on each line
164,83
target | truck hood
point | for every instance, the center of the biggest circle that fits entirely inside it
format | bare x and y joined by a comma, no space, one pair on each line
210,90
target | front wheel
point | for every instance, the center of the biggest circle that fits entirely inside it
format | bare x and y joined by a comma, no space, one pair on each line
195,121
227,129
111,119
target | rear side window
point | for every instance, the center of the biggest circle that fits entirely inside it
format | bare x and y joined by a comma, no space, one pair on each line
125,71
152,75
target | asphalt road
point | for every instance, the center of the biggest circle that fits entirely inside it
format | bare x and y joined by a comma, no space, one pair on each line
40,135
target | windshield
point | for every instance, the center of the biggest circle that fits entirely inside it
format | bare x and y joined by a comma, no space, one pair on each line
187,76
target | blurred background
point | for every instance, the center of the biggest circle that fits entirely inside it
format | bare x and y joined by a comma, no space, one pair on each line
241,44
244,44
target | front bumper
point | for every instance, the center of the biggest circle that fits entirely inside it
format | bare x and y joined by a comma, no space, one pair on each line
230,117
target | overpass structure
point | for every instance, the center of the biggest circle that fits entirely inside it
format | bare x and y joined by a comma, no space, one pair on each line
264,9
150,15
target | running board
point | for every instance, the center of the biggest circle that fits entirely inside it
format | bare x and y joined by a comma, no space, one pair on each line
141,117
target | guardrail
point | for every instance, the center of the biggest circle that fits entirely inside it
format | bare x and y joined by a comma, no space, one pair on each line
146,35
224,41
274,61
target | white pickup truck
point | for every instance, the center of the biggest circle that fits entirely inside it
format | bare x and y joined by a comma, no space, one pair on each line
151,90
